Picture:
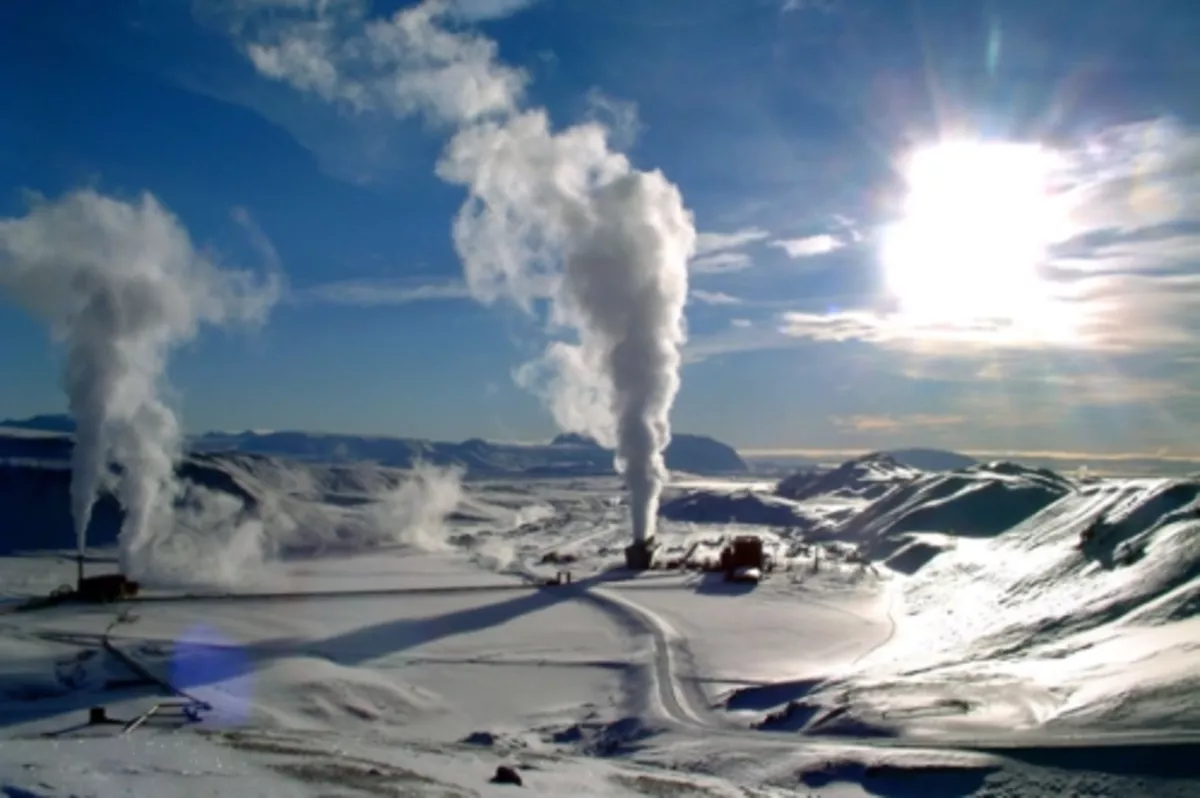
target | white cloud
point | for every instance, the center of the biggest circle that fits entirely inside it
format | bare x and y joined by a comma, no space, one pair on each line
807,5
406,64
381,292
902,423
707,243
808,247
480,10
895,330
714,297
1134,177
720,262
721,252
741,324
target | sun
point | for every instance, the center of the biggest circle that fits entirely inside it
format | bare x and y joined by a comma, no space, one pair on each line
978,219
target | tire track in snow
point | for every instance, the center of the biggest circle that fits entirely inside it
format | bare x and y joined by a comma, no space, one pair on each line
683,706
892,590
688,710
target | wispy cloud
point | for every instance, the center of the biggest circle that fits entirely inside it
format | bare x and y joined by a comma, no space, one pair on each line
894,330
721,252
741,335
707,243
405,64
620,117
1123,281
713,297
258,239
808,247
889,423
480,10
720,262
807,5
368,292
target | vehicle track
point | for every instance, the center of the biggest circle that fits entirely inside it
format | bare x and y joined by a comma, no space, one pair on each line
684,706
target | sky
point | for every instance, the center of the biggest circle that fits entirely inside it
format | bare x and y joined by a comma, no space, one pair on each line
953,223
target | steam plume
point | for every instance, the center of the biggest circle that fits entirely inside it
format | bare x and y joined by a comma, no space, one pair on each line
549,215
623,238
120,285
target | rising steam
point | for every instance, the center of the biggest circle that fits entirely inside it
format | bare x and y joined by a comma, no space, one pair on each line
121,285
550,215
623,238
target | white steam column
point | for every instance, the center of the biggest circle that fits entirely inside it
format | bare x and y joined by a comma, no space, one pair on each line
120,285
623,239
550,215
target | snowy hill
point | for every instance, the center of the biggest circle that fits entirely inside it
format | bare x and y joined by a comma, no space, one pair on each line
984,651
983,500
867,477
739,506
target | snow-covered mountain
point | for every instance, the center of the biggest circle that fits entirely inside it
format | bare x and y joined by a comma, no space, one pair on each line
566,455
866,477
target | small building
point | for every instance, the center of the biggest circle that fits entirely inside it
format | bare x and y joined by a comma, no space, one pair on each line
638,555
744,551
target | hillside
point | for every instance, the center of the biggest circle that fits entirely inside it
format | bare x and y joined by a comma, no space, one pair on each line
866,477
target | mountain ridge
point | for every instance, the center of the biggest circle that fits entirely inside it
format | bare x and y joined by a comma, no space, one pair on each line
567,455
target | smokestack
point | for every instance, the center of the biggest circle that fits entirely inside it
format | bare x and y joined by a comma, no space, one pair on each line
120,285
549,215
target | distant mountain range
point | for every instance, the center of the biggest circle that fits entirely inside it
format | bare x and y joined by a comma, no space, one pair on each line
566,455
931,459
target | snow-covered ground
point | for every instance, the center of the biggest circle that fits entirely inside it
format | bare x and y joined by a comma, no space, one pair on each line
973,646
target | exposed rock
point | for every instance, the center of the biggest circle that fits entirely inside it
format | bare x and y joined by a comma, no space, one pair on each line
507,775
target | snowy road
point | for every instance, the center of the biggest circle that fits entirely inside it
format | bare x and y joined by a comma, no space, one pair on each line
678,700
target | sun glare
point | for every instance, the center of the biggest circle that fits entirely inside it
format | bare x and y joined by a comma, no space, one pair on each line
978,219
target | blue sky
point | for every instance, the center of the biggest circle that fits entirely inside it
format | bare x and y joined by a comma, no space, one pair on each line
786,124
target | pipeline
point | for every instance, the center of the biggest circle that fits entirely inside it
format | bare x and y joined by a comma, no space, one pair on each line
66,596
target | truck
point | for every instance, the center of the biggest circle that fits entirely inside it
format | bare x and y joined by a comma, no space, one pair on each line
743,559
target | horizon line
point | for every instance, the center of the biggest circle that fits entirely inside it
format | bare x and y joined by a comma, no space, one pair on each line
755,453
750,452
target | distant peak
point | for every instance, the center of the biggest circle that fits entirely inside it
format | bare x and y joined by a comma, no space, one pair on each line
47,422
574,439
877,457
